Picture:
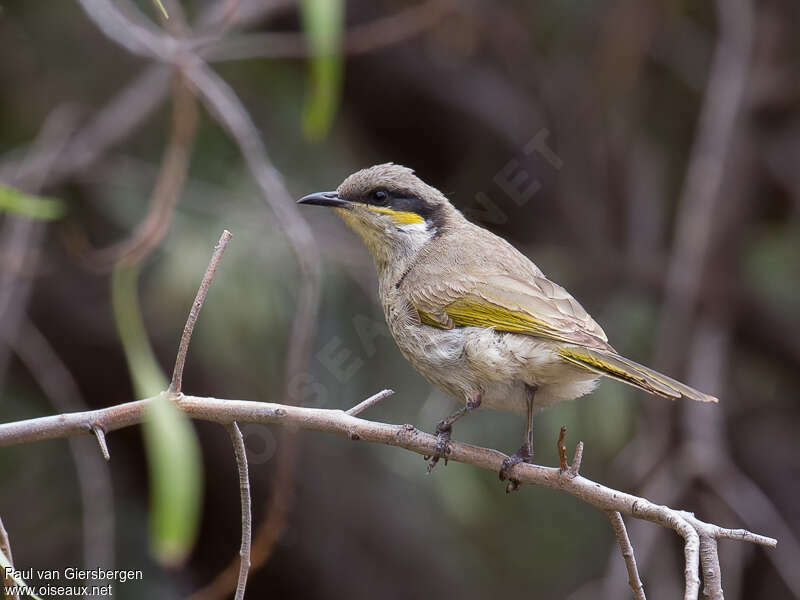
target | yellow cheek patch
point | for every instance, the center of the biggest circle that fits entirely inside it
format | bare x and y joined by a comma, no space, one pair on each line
400,217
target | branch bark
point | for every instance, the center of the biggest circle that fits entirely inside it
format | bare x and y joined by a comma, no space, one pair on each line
5,549
183,348
712,574
618,525
405,436
240,452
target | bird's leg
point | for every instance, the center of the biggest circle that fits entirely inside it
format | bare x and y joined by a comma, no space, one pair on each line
445,428
525,453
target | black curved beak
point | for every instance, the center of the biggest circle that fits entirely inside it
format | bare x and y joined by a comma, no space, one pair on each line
324,199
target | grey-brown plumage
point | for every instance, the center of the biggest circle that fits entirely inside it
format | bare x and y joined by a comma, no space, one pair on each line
471,313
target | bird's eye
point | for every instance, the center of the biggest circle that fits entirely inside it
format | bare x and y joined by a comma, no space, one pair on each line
380,196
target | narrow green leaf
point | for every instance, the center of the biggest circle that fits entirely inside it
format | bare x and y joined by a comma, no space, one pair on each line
323,22
161,8
34,207
6,564
173,451
148,379
176,481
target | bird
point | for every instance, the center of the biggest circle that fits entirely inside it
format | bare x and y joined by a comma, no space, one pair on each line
472,314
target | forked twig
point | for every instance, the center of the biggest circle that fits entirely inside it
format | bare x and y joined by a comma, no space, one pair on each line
565,468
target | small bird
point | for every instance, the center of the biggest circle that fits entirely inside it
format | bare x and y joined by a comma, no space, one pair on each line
472,314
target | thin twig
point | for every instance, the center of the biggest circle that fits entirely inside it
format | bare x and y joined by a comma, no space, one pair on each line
369,402
269,530
5,544
575,467
240,453
618,525
177,374
101,441
562,449
5,548
712,575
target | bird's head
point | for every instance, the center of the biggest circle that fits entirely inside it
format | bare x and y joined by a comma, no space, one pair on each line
393,211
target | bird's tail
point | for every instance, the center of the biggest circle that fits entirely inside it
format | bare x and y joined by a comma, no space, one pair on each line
623,369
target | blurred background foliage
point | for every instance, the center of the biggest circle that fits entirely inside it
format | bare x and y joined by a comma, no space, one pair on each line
455,90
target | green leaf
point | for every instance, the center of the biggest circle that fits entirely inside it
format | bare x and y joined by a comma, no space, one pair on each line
148,379
176,481
160,7
34,207
6,564
323,22
173,451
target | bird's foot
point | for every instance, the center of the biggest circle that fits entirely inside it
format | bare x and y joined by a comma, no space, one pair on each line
442,448
524,454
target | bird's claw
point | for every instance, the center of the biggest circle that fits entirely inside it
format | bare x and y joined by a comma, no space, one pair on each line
442,448
522,455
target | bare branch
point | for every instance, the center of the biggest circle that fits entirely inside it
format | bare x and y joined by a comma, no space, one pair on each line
5,548
618,525
240,453
360,39
339,422
271,528
115,121
177,374
712,574
5,544
167,192
700,196
369,402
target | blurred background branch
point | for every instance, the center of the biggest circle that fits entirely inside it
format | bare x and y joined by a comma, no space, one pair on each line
624,94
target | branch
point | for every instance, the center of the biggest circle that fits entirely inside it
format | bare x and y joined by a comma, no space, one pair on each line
244,488
5,550
167,191
405,436
365,38
183,348
618,525
712,575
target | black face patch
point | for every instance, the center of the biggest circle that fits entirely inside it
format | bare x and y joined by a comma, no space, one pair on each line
402,200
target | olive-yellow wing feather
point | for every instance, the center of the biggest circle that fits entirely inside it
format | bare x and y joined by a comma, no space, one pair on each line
536,307
544,309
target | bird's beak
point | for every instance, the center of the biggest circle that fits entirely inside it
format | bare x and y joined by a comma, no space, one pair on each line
324,199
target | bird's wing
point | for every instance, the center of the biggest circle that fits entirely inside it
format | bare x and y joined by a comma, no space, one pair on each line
534,306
